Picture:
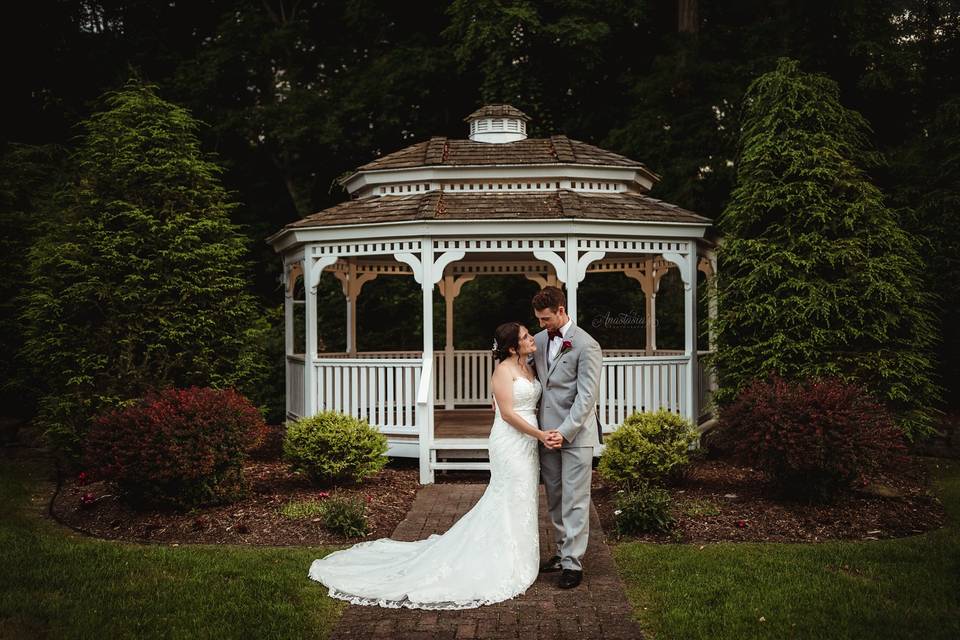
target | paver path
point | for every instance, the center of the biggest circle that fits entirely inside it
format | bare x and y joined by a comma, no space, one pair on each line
597,608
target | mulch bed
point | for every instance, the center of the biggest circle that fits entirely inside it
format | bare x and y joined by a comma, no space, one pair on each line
722,502
254,520
717,501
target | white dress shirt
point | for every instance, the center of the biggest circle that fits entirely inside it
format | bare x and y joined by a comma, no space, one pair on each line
553,347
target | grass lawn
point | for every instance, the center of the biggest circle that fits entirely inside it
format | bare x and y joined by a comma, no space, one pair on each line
905,588
56,584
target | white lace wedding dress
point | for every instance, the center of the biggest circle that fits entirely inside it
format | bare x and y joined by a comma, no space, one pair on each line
491,554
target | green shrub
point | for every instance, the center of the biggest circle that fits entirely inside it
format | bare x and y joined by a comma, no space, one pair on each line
331,446
647,447
643,509
346,516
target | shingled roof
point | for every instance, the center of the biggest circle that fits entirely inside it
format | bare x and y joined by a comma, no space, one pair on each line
439,151
498,111
560,204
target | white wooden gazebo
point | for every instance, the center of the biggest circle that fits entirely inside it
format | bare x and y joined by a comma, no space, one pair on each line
447,211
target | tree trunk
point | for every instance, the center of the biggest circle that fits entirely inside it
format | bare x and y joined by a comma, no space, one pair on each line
688,16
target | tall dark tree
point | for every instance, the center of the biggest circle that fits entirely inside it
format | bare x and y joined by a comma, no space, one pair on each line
816,275
139,278
28,178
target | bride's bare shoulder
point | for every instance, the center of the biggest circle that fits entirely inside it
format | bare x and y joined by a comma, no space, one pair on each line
504,369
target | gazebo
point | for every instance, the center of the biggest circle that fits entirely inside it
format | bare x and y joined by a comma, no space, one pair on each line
447,211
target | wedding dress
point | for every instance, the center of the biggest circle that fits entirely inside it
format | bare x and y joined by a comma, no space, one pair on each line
491,554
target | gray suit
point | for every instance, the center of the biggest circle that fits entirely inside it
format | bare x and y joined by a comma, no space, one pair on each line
571,388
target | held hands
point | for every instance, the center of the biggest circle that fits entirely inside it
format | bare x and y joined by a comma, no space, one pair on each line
552,439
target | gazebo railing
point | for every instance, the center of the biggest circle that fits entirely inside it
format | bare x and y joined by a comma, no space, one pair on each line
635,383
296,407
382,391
382,386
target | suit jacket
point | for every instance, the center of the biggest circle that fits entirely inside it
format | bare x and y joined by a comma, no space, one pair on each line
571,388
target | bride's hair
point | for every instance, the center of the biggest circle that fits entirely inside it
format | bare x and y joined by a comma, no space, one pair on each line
506,337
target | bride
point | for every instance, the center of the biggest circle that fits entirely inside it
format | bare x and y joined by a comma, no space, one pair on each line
493,552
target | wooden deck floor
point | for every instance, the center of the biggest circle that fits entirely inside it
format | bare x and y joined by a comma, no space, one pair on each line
462,423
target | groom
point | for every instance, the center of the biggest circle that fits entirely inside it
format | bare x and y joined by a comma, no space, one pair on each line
568,363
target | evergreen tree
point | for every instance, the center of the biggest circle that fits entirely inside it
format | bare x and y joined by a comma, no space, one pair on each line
816,276
27,182
138,281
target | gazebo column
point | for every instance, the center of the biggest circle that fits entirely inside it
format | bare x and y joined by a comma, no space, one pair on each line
687,265
290,274
427,273
351,309
649,283
450,288
312,269
351,282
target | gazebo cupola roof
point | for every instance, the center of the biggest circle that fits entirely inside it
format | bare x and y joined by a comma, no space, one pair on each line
497,123
498,156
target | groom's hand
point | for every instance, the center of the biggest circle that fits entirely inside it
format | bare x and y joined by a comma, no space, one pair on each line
554,439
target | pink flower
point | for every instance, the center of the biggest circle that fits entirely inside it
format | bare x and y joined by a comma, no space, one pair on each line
82,478
323,495
742,524
369,499
87,500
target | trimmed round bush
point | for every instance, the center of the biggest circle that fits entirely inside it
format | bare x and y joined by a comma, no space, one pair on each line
643,509
812,438
177,447
647,447
331,446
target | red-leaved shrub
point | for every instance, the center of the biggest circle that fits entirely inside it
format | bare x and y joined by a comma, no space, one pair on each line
812,438
176,447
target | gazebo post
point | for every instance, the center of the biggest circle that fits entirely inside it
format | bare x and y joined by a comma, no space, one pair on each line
425,414
570,277
690,330
351,291
289,283
448,351
312,270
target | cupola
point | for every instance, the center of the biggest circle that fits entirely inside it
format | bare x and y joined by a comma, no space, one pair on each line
497,123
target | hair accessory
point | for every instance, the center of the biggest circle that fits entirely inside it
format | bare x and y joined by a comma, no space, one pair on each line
494,344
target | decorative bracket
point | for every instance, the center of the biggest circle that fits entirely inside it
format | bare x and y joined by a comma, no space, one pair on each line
681,261
319,264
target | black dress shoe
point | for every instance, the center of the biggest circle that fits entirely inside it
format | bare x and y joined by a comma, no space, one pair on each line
570,578
553,564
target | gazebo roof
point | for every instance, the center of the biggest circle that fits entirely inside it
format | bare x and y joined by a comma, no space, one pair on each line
561,204
498,111
440,151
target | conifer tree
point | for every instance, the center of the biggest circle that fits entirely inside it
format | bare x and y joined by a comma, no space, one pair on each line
816,275
138,279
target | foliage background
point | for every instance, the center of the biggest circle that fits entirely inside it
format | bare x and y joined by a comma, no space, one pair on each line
295,93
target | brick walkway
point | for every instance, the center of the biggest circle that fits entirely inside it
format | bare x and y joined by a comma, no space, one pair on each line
597,608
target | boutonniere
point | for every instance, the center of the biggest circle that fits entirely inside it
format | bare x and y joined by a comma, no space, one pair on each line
566,346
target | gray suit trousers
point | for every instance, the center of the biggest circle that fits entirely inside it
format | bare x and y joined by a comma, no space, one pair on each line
566,479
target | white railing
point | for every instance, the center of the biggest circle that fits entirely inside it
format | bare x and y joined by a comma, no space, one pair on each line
382,391
472,370
295,404
381,386
636,383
